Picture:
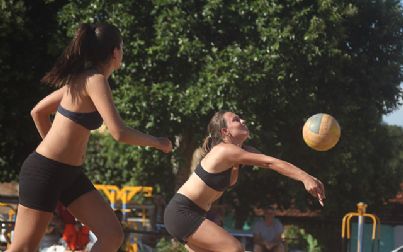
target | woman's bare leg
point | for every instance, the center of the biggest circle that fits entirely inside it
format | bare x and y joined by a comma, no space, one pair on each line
29,229
211,237
92,210
194,248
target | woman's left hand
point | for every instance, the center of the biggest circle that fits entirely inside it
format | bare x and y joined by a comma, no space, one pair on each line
165,144
315,187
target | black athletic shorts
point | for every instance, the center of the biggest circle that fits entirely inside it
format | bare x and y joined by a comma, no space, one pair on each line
44,182
182,217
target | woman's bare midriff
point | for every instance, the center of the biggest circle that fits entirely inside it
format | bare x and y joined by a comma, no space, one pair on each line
198,192
66,142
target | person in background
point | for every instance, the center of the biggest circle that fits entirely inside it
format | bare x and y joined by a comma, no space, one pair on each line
267,232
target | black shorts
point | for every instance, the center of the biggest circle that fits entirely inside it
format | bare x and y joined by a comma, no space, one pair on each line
44,182
183,217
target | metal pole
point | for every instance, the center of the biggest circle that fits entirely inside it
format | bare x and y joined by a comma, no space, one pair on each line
360,233
124,206
113,199
361,212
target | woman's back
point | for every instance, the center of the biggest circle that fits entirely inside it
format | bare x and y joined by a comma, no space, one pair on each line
67,139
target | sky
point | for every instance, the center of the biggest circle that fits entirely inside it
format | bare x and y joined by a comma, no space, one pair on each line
396,117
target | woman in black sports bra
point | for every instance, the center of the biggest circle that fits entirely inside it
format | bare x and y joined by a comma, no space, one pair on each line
53,171
185,215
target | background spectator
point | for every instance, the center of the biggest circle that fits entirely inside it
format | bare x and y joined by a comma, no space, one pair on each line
267,231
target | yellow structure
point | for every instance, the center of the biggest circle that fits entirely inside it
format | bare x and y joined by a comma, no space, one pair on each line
7,228
111,192
11,212
124,196
361,214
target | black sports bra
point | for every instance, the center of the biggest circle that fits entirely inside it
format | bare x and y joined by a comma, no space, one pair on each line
218,181
89,120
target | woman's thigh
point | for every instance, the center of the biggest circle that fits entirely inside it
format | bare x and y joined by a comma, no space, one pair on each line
194,248
211,237
29,228
92,210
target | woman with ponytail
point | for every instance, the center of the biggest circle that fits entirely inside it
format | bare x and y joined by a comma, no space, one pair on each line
185,216
53,172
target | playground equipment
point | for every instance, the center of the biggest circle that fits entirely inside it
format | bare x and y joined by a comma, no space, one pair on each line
111,192
6,223
124,195
120,199
11,211
346,229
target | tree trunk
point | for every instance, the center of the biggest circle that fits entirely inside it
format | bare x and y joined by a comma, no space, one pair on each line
187,146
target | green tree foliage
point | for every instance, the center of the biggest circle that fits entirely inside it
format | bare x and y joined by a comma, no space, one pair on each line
167,245
11,22
25,28
275,63
297,238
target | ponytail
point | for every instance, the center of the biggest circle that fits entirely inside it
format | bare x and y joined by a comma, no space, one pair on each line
206,147
74,58
92,45
217,123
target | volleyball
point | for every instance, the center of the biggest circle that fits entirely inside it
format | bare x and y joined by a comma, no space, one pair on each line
321,132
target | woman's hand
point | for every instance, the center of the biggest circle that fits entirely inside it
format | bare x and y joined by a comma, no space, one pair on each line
315,187
165,145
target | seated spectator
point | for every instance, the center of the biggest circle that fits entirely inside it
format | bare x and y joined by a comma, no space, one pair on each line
257,214
267,232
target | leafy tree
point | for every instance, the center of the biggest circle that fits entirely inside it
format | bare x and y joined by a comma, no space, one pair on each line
275,63
25,28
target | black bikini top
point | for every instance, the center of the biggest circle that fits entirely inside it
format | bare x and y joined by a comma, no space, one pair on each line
218,181
89,120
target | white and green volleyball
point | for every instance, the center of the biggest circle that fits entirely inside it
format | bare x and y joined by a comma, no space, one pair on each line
321,132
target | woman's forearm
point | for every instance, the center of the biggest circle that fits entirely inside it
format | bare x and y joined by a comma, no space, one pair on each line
135,137
286,169
42,123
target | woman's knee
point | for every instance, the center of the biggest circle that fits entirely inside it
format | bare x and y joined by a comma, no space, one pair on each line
22,248
113,236
235,246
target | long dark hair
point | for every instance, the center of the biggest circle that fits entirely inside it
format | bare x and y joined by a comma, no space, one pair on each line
217,122
93,44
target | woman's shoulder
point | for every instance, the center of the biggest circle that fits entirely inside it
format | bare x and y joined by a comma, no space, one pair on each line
224,154
87,77
92,75
225,148
94,80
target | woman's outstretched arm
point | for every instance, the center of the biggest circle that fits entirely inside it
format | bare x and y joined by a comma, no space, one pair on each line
99,91
237,155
